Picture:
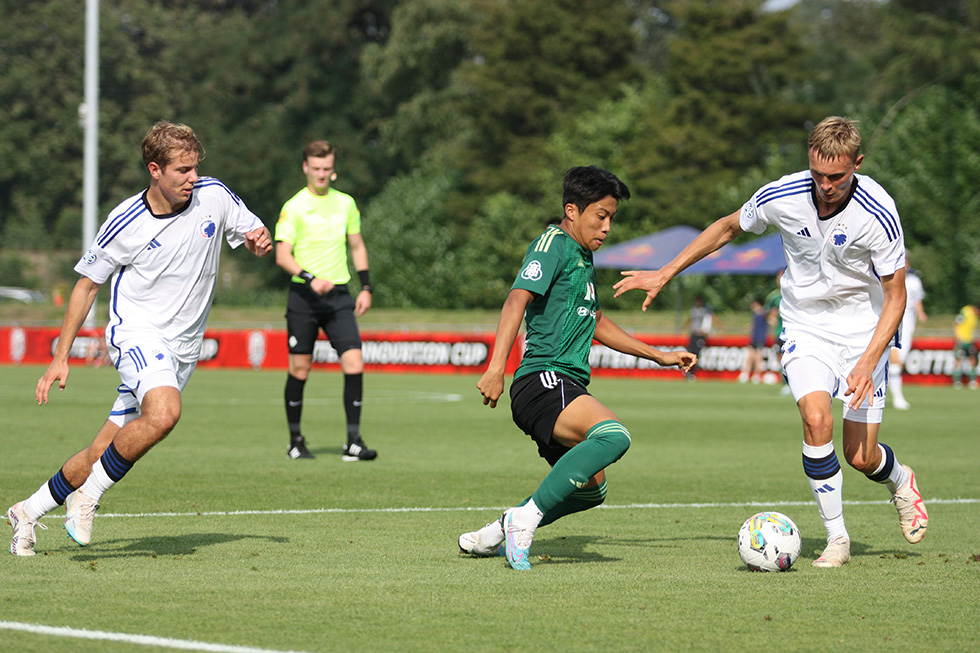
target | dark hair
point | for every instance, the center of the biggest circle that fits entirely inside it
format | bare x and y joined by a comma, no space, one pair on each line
586,185
318,149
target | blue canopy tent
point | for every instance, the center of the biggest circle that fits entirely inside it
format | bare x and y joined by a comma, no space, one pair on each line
653,251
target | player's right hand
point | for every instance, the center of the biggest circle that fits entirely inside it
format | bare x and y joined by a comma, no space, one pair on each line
56,371
491,386
650,281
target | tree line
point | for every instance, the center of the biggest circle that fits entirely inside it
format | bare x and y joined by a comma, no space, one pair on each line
455,119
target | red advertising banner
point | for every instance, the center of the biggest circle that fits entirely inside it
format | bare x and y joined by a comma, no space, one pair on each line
931,360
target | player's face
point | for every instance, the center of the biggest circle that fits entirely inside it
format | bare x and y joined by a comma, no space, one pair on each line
590,227
833,177
176,180
319,173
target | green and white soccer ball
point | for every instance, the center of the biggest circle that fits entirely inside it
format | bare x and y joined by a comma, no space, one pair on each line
769,541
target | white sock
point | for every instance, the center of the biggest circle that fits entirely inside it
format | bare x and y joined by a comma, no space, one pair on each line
528,516
827,492
40,503
97,482
895,381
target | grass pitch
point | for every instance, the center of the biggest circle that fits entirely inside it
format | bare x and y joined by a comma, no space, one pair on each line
216,541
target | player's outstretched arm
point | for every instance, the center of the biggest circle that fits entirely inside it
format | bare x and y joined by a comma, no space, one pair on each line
491,384
259,241
79,305
718,234
611,335
860,381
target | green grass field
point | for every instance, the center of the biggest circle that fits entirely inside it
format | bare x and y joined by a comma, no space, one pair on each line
217,541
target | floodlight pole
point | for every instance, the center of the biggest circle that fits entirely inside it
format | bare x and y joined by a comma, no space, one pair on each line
89,112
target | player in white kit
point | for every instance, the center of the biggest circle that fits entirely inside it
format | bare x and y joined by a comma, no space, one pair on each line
914,313
843,296
161,249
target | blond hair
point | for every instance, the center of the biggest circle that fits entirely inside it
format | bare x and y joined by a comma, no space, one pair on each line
165,140
835,137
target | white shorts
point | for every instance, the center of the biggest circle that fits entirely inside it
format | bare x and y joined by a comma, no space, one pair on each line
144,364
813,364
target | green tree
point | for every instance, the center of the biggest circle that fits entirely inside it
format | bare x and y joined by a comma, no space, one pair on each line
929,160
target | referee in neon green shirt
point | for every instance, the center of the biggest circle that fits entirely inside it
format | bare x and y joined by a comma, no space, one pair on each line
315,229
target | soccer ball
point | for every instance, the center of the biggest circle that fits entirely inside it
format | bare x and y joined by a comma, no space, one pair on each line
769,541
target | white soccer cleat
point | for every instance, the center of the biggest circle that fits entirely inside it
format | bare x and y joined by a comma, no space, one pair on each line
485,542
79,515
22,543
837,553
912,515
517,542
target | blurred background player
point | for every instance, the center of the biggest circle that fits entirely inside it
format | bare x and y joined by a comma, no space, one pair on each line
161,247
757,343
914,312
965,348
315,229
578,436
700,322
843,297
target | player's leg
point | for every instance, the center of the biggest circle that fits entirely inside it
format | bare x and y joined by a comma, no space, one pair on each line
596,439
813,380
302,330
345,337
878,462
896,363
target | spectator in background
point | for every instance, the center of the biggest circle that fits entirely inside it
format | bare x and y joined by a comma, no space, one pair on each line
757,343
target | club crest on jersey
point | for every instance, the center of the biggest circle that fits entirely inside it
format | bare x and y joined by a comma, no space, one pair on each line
208,227
533,271
838,237
89,258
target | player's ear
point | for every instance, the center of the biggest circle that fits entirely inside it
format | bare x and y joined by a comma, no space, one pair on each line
571,212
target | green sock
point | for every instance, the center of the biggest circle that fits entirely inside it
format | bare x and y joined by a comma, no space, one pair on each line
605,443
577,501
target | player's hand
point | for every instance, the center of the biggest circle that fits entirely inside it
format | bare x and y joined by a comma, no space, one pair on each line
362,303
650,281
259,241
682,359
321,286
57,371
491,386
860,384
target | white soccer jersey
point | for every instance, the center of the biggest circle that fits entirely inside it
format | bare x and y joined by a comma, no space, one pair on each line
164,267
832,285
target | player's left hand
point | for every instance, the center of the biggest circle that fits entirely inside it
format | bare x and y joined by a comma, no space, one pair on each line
860,384
682,359
259,241
362,303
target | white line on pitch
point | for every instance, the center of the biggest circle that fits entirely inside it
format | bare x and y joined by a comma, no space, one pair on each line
142,640
628,506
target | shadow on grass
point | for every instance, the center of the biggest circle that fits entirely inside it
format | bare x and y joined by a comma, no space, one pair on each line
177,545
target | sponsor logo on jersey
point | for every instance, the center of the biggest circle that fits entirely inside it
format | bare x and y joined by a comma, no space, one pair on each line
153,244
89,258
533,271
748,211
803,232
208,227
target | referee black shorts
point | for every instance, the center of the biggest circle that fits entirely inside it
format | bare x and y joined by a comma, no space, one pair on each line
308,312
536,400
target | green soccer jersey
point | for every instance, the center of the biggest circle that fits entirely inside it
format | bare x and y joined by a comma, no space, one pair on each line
560,320
317,226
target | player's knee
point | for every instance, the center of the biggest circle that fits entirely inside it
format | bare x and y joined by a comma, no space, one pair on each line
613,436
819,424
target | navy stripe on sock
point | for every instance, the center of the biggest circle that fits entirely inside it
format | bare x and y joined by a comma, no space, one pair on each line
115,465
886,471
821,468
59,487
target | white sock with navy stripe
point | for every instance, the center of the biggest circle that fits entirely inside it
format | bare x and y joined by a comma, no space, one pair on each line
826,480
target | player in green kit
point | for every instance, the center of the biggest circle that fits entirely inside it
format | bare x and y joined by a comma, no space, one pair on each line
577,435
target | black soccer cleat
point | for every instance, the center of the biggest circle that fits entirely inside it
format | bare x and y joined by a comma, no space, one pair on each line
299,450
356,450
